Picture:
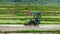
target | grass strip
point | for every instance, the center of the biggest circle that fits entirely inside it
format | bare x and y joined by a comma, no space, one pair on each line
30,31
25,23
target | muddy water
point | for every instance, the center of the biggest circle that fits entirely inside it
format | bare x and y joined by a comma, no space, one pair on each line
22,27
31,33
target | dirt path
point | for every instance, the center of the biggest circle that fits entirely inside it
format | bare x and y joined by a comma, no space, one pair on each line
22,27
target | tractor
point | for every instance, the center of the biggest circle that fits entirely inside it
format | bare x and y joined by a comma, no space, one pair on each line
35,20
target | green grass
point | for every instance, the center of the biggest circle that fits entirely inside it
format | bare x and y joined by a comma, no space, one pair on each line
31,31
25,21
10,19
30,17
42,7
